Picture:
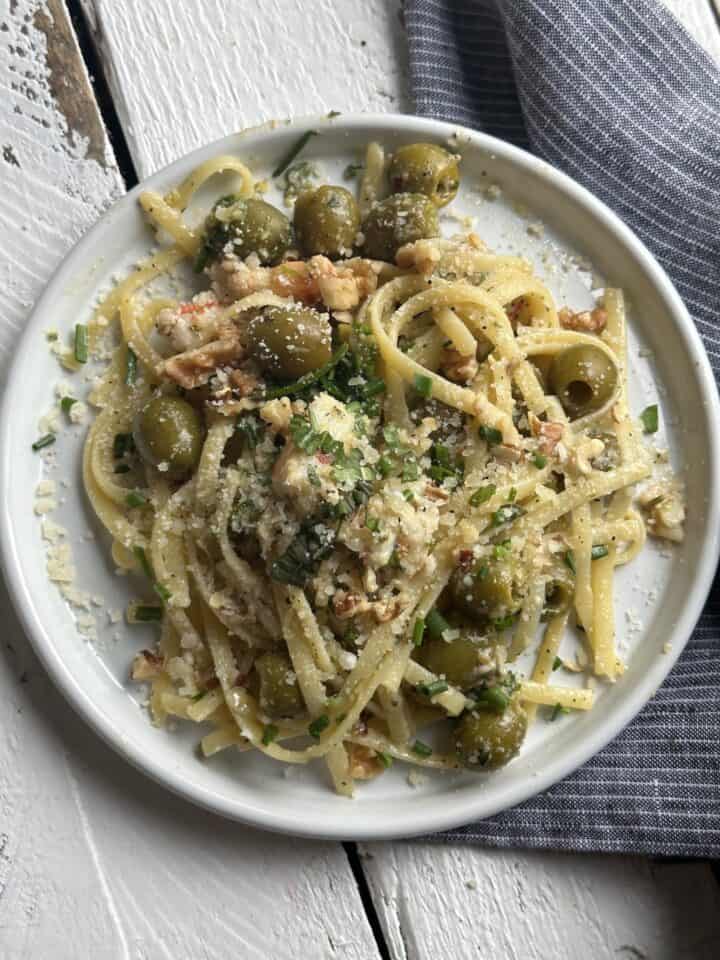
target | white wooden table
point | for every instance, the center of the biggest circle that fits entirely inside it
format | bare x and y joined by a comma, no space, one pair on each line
95,861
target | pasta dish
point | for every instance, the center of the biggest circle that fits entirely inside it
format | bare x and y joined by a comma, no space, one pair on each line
366,469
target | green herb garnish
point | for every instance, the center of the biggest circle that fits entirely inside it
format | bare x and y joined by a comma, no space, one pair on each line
490,435
650,419
495,698
307,550
373,524
135,499
122,443
270,732
598,552
418,634
293,152
385,759
318,725
482,495
251,428
539,460
557,710
569,560
423,384
421,749
81,342
507,513
130,367
309,379
432,689
66,403
44,441
147,612
436,624
351,171
557,663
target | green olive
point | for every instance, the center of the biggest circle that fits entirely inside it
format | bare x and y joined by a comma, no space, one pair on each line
327,221
456,660
248,226
397,220
425,168
490,740
485,593
288,342
168,430
584,378
279,692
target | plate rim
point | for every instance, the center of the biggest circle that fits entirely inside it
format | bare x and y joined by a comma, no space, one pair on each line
461,808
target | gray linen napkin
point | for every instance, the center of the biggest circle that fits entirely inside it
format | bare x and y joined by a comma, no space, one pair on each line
620,97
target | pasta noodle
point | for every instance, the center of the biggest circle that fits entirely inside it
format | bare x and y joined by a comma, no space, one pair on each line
358,489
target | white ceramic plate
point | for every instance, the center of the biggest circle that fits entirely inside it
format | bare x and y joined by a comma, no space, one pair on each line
659,596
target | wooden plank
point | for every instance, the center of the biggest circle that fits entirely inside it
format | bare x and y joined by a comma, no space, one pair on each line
184,73
95,861
460,901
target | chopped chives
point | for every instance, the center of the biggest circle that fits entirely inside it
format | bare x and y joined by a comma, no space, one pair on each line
490,435
410,471
373,524
482,495
432,689
512,494
409,496
270,732
557,710
557,663
569,560
539,460
44,441
66,403
649,418
81,342
598,552
418,633
421,749
318,725
293,152
143,561
135,499
436,624
506,513
146,612
423,385
385,759
162,592
131,367
493,698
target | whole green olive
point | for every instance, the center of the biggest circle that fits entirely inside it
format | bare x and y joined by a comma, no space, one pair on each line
247,226
490,740
584,378
425,168
456,660
288,342
168,430
279,694
327,221
485,593
399,219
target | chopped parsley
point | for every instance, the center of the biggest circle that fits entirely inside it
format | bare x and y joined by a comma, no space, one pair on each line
307,550
270,732
135,499
501,551
482,495
423,384
318,725
373,524
649,418
539,460
490,435
557,663
66,403
507,513
251,429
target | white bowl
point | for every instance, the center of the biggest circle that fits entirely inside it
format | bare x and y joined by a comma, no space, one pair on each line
663,590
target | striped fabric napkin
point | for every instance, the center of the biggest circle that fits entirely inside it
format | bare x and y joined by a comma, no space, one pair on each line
620,97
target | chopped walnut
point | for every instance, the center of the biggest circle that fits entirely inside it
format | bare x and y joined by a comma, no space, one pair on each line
346,605
549,433
146,665
457,367
589,321
193,368
664,506
364,762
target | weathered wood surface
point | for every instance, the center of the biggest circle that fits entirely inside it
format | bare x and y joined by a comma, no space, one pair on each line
95,860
